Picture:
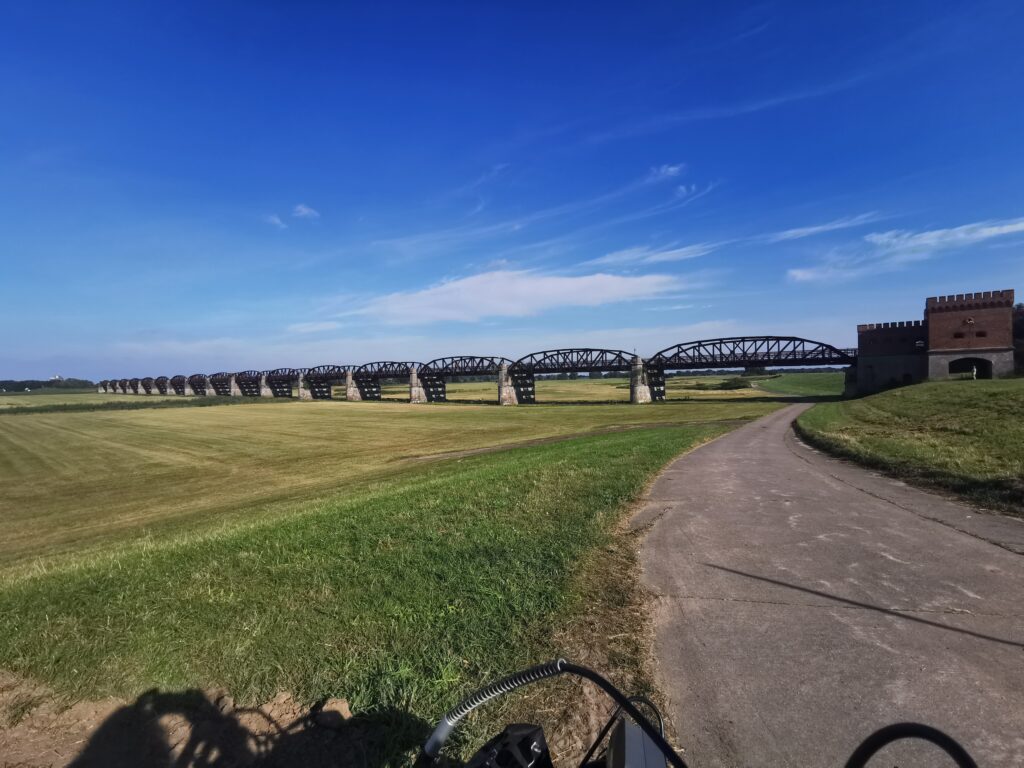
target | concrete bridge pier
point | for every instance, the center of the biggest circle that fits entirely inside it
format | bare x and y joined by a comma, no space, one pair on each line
506,392
639,388
188,392
351,390
264,387
303,390
416,392
236,391
100,389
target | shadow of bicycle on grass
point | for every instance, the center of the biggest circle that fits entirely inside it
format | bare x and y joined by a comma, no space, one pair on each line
189,730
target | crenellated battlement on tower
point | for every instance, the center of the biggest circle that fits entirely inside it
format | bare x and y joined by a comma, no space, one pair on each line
868,327
970,301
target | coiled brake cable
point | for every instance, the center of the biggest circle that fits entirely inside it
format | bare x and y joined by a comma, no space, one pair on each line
549,669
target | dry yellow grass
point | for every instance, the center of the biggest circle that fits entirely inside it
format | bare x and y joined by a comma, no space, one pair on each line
81,478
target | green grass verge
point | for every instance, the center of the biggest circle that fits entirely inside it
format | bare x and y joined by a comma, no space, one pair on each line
75,481
135,403
962,436
818,384
401,596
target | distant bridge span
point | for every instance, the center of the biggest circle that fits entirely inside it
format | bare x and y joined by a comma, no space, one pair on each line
434,375
742,352
516,379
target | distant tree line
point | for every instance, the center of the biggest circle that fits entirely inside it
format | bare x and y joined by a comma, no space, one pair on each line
20,385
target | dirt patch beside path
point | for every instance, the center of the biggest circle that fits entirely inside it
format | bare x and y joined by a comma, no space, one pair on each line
189,728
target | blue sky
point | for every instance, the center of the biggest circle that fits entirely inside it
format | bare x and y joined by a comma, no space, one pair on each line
189,187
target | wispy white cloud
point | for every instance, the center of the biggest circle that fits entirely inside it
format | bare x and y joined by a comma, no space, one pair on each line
674,252
303,211
840,265
667,120
491,173
313,327
955,237
455,237
666,171
889,251
645,255
275,220
845,222
511,293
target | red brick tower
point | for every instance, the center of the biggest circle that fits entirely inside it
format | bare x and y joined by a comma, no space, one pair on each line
970,332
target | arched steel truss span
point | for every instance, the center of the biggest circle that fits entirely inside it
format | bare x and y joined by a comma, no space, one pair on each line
221,383
178,384
147,385
742,352
322,378
367,377
249,383
575,361
281,381
385,369
750,351
163,385
465,365
434,375
198,383
524,370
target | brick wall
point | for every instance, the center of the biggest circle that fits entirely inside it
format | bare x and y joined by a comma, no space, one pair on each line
966,321
901,338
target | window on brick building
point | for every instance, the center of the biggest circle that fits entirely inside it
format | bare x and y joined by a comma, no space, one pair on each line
958,335
981,334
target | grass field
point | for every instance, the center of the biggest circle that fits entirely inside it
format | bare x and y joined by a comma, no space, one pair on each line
819,384
43,398
555,391
388,553
962,436
77,479
397,595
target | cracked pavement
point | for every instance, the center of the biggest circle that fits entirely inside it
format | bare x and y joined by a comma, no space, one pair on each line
801,602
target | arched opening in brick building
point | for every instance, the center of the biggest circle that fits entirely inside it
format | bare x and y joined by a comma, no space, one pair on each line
966,366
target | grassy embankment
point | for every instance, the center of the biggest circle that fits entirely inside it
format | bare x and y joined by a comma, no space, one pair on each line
962,436
327,549
818,384
74,480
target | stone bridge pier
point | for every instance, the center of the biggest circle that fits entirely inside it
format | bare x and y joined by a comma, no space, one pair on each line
506,391
416,392
639,387
351,390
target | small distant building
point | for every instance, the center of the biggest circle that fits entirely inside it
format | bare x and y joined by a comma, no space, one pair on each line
963,333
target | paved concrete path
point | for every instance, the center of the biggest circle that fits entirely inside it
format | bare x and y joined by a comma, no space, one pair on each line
802,603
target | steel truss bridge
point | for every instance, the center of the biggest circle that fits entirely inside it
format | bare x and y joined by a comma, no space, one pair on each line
732,352
742,352
435,374
367,377
523,371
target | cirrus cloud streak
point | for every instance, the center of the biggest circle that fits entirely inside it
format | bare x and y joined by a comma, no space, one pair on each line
511,293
